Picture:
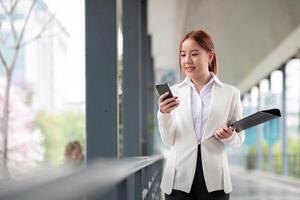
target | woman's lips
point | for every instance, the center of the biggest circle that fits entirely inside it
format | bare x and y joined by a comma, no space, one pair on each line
189,69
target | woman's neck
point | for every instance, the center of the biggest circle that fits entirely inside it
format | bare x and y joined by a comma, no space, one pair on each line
201,80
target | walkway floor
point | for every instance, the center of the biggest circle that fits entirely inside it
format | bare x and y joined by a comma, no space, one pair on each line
262,186
258,186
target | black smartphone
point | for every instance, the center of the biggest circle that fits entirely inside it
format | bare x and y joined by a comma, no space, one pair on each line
163,88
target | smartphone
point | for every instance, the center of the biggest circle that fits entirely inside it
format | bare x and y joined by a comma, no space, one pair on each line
163,88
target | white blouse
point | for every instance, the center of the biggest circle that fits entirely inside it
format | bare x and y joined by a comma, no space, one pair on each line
201,104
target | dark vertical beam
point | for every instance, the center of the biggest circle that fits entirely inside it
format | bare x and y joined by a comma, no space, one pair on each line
132,78
156,138
147,82
101,78
132,86
150,99
144,68
101,81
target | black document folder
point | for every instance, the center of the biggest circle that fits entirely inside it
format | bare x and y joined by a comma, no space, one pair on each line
255,119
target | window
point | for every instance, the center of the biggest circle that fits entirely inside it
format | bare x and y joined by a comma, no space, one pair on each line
47,94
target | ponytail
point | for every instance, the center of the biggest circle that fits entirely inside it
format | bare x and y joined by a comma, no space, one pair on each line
213,66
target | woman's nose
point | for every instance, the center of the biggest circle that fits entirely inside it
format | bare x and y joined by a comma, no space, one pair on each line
187,59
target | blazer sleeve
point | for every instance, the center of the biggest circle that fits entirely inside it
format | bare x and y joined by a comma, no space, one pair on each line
237,138
167,126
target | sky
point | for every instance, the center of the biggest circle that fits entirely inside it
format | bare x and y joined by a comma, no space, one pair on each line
71,14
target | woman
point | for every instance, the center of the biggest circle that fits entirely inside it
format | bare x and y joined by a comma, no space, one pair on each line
73,154
195,123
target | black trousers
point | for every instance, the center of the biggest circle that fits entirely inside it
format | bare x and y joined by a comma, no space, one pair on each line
199,190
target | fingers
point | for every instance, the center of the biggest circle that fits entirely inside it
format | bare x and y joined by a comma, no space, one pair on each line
172,107
167,101
224,132
232,128
161,97
220,133
168,105
217,136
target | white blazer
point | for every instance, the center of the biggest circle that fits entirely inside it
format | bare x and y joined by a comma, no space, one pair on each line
177,132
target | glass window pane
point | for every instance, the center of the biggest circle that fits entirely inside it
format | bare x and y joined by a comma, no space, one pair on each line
254,99
46,123
263,91
293,107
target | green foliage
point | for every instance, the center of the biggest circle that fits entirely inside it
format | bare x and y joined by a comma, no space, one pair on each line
58,130
293,152
251,158
277,156
150,122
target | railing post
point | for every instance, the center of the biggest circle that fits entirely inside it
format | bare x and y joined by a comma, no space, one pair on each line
150,192
123,190
160,168
146,179
137,177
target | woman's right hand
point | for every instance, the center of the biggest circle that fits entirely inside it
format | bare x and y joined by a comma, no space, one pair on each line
167,105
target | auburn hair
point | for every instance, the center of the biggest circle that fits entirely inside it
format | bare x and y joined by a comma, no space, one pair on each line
205,41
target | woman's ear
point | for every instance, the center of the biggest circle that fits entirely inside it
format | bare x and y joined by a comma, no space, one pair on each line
211,55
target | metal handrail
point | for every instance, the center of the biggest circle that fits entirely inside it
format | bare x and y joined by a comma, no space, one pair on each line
70,183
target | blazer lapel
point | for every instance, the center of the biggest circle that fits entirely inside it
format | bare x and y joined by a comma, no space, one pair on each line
215,98
185,97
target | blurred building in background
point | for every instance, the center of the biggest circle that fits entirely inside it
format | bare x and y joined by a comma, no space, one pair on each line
46,101
43,60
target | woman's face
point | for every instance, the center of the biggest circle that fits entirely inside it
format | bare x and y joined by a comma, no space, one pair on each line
194,59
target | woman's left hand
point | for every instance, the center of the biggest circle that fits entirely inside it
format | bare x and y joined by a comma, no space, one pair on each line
224,132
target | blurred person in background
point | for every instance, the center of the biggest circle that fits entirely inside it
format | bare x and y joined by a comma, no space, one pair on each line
73,154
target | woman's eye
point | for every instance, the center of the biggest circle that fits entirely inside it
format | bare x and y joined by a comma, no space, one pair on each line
182,55
195,54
